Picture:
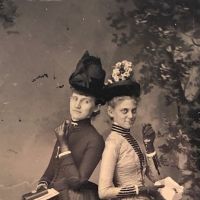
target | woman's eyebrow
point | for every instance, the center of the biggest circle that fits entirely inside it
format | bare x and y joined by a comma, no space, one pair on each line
85,98
124,108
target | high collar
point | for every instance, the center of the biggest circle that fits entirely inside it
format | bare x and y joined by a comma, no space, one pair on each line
120,129
82,122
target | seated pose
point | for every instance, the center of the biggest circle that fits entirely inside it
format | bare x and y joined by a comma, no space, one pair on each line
79,146
124,166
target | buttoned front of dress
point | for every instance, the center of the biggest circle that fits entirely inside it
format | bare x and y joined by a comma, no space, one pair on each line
72,171
126,173
121,172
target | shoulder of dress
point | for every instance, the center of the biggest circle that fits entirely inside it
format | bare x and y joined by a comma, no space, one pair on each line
90,130
94,135
114,138
113,143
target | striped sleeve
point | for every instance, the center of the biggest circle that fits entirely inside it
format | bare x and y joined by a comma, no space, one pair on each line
128,191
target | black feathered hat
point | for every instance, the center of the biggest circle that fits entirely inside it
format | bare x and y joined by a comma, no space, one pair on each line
89,76
121,82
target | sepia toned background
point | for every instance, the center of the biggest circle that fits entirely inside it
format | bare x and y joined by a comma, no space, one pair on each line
46,40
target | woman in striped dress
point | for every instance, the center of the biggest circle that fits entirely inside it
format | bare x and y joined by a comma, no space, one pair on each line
124,166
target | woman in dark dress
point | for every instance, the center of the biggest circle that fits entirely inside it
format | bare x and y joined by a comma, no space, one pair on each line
79,146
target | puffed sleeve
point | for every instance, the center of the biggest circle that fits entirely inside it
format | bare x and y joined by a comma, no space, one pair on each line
76,177
49,172
109,160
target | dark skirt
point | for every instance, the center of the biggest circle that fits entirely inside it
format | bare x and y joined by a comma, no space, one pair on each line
85,193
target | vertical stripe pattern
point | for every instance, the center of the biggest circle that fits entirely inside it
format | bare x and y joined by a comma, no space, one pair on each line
129,191
132,141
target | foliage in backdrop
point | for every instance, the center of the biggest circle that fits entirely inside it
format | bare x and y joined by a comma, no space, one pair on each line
168,33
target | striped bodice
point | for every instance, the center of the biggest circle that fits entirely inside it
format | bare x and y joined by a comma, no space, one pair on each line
132,141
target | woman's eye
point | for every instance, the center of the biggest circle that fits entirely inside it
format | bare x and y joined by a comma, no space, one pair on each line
134,111
124,111
86,101
74,98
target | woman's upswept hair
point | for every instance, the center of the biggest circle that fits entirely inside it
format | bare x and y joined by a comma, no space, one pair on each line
112,103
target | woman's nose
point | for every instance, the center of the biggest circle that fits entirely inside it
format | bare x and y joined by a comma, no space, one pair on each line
77,104
130,115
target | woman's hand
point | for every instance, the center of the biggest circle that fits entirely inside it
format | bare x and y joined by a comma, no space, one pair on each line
148,137
60,132
152,191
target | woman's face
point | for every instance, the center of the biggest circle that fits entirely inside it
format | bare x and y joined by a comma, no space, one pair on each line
81,106
124,112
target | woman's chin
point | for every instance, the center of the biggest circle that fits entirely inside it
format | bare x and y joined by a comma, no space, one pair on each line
76,118
127,125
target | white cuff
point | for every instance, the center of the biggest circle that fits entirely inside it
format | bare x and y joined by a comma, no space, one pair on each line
136,189
64,153
150,155
43,182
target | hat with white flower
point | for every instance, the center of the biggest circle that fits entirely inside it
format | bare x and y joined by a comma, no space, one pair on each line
121,81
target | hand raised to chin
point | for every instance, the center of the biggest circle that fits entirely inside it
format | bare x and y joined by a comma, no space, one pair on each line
62,131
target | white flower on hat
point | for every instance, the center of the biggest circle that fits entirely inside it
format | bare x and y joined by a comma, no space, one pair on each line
127,74
126,63
118,64
116,78
122,71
